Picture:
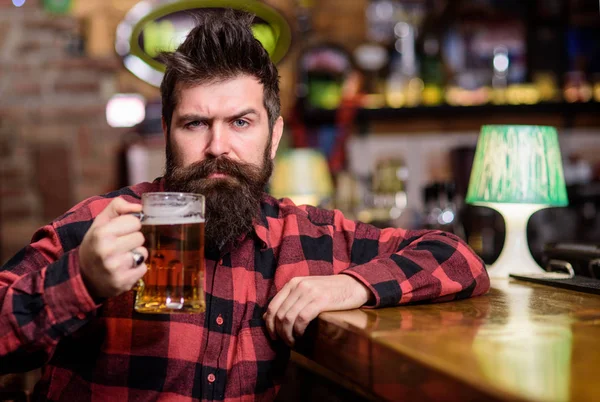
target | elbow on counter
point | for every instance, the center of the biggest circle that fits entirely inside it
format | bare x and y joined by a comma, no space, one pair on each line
463,273
477,271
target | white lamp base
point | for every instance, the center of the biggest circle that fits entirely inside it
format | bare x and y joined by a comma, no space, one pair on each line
515,257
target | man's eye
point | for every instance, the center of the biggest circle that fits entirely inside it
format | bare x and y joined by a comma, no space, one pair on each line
239,123
193,124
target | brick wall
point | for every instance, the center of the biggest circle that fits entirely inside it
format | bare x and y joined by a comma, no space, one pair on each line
55,145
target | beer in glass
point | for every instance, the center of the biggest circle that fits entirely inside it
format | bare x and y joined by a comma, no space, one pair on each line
173,228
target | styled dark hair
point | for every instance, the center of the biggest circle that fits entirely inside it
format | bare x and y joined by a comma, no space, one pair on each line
221,46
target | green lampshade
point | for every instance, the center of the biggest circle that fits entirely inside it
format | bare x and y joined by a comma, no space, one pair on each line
517,164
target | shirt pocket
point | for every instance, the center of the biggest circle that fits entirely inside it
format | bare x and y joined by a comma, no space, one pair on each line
257,362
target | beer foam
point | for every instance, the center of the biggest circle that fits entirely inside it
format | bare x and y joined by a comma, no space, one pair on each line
169,209
172,220
171,214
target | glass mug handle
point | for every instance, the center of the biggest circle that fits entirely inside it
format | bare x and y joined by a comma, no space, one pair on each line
140,283
139,215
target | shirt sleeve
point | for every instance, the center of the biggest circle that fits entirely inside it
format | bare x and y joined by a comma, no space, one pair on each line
42,299
406,266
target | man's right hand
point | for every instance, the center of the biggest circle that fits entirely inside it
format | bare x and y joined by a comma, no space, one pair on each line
105,257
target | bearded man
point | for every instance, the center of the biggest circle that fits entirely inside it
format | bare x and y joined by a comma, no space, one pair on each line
271,266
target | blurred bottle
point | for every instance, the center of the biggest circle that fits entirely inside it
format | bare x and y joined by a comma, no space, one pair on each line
404,87
577,88
596,88
546,84
442,208
384,204
347,194
432,71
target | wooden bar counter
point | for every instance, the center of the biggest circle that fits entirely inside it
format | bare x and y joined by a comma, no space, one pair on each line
521,341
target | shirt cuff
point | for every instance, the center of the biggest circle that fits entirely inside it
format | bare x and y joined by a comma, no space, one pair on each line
65,294
380,281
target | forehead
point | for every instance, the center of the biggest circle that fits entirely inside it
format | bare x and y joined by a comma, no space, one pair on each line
221,96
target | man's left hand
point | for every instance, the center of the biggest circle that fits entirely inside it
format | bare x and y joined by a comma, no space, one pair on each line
303,298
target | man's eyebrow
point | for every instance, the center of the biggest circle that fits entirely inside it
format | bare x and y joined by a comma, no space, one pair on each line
199,117
192,117
244,113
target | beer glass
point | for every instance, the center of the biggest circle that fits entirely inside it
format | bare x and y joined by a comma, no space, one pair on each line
173,228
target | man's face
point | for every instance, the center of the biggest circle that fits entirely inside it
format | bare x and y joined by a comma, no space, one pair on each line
220,146
225,118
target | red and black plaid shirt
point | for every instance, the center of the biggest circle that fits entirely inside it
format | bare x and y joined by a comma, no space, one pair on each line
104,352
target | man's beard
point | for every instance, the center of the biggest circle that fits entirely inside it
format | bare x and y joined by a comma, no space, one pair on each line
232,202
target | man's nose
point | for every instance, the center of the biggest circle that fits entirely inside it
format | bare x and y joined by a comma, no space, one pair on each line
219,141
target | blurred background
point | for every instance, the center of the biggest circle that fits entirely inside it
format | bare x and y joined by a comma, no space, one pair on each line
383,101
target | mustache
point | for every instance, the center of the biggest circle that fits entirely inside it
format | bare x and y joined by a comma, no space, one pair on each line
243,172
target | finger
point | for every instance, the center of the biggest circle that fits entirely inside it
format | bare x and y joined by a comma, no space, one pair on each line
143,251
140,251
308,313
276,302
118,206
122,244
123,261
285,325
121,225
288,302
130,277
283,322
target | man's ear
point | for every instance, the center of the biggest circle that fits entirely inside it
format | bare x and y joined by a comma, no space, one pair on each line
277,133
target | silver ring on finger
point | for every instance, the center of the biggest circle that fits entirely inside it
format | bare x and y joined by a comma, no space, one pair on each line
137,258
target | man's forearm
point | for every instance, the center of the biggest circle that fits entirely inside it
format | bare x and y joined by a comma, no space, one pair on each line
432,266
38,308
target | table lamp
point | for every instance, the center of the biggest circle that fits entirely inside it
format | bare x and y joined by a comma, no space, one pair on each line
303,176
517,171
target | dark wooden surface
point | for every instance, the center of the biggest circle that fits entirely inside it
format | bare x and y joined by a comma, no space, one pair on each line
521,341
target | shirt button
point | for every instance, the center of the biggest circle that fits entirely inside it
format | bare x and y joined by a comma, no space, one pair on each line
211,378
219,320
